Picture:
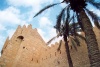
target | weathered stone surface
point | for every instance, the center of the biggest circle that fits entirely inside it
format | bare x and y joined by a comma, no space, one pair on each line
26,48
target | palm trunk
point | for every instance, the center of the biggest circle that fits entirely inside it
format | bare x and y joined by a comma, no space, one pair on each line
68,52
92,45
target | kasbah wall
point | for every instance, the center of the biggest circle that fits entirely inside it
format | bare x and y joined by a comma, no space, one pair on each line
26,48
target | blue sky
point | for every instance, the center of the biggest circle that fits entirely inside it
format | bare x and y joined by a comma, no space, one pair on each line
21,12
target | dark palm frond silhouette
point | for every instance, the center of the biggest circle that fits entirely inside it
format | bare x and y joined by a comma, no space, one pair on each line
95,4
73,43
51,40
59,45
45,8
94,17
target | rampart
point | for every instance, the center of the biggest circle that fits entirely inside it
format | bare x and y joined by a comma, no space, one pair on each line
26,48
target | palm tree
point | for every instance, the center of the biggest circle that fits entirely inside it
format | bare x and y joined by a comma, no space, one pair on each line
81,13
71,34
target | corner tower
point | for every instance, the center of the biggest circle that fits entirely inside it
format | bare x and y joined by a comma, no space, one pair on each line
25,46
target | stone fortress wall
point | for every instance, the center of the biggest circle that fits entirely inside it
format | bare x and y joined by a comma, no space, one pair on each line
26,48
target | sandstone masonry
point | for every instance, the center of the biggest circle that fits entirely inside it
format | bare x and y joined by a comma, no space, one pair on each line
26,48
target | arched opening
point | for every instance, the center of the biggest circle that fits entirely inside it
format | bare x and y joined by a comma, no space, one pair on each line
20,37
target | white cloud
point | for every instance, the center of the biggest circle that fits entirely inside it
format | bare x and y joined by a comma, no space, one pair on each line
35,5
49,31
10,16
44,22
28,3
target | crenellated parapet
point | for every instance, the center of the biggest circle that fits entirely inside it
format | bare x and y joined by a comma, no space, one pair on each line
26,48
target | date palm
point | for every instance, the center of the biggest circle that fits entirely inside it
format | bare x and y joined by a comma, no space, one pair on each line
72,35
81,13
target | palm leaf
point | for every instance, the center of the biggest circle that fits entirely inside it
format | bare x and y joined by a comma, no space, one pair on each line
79,21
97,5
51,40
58,22
92,15
59,45
73,43
68,13
76,41
74,26
70,19
47,7
66,24
80,36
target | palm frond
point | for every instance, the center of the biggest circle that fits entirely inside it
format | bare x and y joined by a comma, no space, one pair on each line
66,31
80,36
73,43
79,21
92,15
59,45
51,40
45,8
74,26
97,5
68,13
58,22
66,24
70,19
63,17
76,41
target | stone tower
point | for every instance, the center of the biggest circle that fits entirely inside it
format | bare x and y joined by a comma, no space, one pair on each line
26,45
26,48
